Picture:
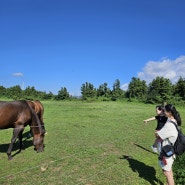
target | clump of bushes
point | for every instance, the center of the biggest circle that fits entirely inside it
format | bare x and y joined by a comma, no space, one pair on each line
179,170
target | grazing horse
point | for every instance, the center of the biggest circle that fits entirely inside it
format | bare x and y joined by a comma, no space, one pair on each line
17,115
37,106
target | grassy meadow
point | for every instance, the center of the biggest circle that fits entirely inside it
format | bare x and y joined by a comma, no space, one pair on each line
97,143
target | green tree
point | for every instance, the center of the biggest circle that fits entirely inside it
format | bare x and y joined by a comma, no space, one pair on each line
103,90
14,92
47,96
88,91
137,89
117,92
159,90
2,91
179,88
62,94
30,93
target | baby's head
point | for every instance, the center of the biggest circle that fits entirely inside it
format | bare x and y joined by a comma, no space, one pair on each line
159,110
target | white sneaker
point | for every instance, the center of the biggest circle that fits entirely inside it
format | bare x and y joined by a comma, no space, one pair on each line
154,149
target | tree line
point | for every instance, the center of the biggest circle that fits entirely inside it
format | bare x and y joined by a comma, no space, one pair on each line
160,90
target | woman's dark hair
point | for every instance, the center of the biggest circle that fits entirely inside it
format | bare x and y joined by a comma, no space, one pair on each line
174,112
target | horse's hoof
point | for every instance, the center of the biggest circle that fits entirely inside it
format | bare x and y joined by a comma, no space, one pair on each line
23,148
10,158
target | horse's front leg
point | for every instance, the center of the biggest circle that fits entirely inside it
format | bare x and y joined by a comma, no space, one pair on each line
16,132
30,134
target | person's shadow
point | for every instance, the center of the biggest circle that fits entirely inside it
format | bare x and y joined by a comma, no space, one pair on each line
146,172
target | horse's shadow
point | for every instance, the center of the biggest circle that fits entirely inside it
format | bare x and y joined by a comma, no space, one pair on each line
146,172
26,143
27,135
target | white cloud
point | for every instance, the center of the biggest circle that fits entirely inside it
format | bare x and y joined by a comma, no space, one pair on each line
17,74
171,69
124,87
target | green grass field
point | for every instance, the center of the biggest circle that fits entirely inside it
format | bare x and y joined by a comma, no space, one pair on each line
99,143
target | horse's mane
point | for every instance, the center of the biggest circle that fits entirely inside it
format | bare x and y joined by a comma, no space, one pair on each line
36,123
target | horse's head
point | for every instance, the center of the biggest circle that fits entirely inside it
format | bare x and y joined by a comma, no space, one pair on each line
38,130
38,142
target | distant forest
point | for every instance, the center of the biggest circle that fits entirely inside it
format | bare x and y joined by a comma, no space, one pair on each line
160,90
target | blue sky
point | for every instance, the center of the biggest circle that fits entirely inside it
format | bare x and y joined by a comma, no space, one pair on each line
51,44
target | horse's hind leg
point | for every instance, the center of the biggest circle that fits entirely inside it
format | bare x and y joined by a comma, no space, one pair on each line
21,146
16,132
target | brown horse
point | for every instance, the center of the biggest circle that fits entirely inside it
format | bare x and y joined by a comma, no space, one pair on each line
18,114
38,107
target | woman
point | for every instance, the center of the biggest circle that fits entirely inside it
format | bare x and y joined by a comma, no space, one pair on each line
168,134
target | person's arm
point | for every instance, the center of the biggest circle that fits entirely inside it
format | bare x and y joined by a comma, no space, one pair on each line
149,119
167,131
157,135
